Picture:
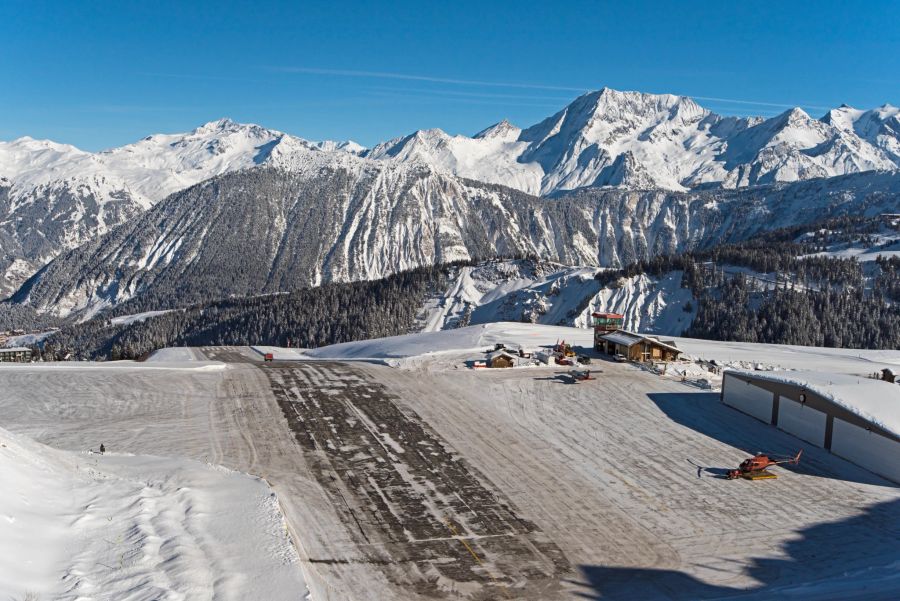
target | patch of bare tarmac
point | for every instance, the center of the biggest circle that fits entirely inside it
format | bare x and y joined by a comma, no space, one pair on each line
431,521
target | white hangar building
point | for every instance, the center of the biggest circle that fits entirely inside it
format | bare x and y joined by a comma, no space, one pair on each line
856,418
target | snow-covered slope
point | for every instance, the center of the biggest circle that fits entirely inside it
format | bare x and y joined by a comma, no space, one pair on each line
651,305
267,230
79,526
54,197
551,294
641,141
511,290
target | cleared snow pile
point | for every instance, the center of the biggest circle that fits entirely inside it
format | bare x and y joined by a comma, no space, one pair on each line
116,527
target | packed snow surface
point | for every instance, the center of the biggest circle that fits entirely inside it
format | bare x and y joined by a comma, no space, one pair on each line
88,526
451,348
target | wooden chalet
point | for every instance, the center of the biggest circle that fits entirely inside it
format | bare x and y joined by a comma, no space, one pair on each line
636,347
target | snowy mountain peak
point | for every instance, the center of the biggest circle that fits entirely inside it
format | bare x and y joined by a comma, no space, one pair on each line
794,115
224,124
611,137
345,146
504,130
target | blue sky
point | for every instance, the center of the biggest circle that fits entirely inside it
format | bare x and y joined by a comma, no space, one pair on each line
102,74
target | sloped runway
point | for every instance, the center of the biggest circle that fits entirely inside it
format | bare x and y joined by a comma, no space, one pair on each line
457,484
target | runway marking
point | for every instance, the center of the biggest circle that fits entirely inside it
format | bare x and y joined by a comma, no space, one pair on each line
469,548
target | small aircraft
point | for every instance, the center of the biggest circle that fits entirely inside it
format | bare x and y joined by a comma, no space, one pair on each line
755,468
581,375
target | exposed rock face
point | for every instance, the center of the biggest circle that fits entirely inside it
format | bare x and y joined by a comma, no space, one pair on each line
267,230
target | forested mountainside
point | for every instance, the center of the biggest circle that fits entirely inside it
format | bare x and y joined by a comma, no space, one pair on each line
38,224
792,289
269,230
311,317
55,197
17,317
781,287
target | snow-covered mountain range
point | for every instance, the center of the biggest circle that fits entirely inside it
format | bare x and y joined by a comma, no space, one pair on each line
267,230
54,197
645,173
635,140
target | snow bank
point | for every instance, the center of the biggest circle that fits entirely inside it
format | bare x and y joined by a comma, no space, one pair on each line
402,346
460,340
179,353
749,355
114,527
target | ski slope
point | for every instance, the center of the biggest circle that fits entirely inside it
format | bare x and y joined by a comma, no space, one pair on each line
552,294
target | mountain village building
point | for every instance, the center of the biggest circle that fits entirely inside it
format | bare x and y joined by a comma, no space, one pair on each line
501,358
15,355
636,347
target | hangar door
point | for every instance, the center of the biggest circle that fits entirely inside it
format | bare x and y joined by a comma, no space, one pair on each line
748,398
874,452
802,421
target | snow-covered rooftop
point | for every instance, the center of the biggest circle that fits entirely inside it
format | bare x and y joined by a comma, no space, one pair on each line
630,338
500,353
14,349
623,338
876,401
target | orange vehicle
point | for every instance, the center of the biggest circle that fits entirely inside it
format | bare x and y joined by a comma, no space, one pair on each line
756,467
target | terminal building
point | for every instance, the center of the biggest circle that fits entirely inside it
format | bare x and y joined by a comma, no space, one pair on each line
637,347
856,418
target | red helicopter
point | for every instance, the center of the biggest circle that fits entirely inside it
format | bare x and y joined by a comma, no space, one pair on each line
755,467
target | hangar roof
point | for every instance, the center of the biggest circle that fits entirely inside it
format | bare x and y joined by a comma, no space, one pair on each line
875,401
